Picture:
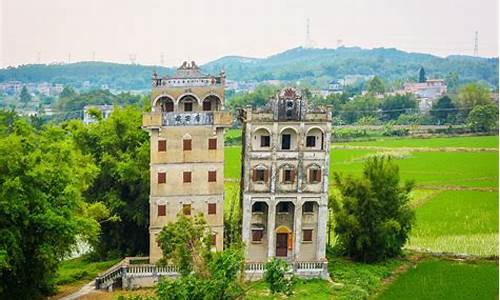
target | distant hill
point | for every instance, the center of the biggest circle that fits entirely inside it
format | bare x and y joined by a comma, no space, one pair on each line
316,66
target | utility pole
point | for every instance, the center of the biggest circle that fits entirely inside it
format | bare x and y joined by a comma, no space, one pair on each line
38,57
69,57
476,44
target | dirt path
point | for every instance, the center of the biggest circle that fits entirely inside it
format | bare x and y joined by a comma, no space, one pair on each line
86,289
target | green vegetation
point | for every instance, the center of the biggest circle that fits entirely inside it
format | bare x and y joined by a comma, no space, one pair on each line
458,222
432,142
372,218
314,289
276,279
43,213
439,279
80,269
483,118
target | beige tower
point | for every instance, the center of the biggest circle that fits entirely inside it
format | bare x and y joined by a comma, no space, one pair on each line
285,181
186,126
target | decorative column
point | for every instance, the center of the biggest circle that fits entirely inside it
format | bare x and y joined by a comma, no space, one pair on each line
247,215
271,223
297,227
321,236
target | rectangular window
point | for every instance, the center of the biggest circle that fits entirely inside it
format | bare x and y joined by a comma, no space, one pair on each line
288,176
260,175
308,207
186,209
162,145
311,141
168,107
214,239
212,144
265,141
162,210
188,106
186,145
162,177
307,235
212,208
314,175
257,235
286,141
186,177
207,106
212,176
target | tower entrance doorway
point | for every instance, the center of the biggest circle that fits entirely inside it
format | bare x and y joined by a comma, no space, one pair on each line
282,244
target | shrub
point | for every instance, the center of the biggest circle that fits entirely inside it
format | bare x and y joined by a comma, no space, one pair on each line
277,279
483,118
372,214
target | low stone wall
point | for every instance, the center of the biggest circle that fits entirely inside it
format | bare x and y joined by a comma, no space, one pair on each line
133,276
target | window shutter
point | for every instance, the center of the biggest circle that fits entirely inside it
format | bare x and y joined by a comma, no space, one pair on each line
186,209
162,210
311,174
307,235
292,176
187,145
212,144
162,145
318,175
254,175
162,177
212,176
186,176
212,208
266,175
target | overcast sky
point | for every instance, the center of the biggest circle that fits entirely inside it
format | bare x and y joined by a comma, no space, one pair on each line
113,30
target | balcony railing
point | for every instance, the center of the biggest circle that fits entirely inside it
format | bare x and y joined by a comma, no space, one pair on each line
157,119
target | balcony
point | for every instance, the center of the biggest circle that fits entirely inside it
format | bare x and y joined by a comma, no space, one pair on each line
159,119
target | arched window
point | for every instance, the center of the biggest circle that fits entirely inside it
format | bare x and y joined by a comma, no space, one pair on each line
314,139
288,139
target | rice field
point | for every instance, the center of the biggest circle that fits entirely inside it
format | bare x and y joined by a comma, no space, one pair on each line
442,279
456,195
433,142
463,222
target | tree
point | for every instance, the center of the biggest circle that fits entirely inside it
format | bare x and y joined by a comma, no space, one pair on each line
186,244
394,106
483,118
472,95
25,95
359,107
372,214
276,279
121,150
443,110
376,86
421,75
43,176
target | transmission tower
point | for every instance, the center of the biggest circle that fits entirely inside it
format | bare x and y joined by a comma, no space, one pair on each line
132,58
162,59
38,57
339,43
69,57
308,43
476,44
93,55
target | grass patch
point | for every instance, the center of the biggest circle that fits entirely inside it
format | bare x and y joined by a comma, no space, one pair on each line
433,142
458,222
355,280
440,279
314,289
79,269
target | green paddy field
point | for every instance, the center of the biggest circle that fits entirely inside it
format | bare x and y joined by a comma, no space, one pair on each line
456,203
